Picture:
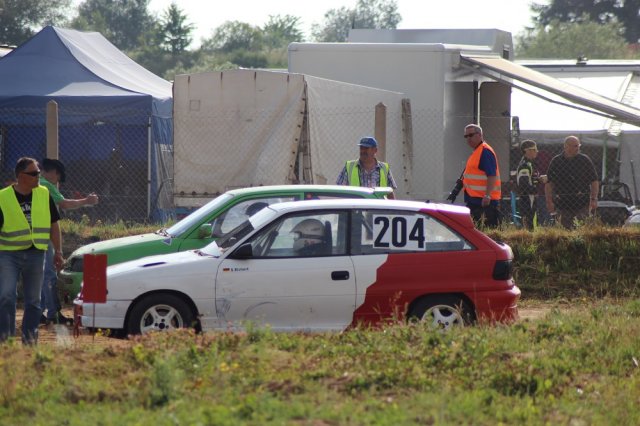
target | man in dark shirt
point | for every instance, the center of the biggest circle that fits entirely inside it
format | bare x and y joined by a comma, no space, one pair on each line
572,187
28,221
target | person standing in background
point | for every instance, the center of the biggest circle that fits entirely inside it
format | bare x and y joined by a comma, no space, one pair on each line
528,179
367,171
28,222
573,185
53,173
481,179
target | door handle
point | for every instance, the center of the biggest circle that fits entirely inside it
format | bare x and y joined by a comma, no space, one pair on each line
340,275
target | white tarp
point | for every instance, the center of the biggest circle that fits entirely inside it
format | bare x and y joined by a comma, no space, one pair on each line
241,128
340,114
234,128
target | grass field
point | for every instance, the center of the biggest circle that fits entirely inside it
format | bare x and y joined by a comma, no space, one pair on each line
578,364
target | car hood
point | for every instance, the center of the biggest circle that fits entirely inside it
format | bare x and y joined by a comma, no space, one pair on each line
117,243
182,271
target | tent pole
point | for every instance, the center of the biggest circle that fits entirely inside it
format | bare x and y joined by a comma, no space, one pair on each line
149,169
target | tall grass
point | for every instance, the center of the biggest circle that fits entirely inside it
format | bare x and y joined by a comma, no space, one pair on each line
577,365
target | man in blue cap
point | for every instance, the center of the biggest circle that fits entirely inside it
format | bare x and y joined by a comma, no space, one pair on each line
367,171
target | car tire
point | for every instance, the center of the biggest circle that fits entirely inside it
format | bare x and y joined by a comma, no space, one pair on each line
442,311
159,312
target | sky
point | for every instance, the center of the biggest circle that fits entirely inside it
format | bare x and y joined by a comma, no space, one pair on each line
206,15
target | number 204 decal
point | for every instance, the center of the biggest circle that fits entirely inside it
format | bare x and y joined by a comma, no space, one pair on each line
399,232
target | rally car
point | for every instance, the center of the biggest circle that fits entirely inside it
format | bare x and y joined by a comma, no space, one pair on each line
319,265
211,221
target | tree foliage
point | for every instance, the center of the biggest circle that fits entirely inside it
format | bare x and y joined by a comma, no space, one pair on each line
366,14
21,19
174,30
625,12
280,30
123,22
572,40
234,35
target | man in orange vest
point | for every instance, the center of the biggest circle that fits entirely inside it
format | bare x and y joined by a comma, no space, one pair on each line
481,179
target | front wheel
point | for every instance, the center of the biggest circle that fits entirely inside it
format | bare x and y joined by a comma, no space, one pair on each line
442,312
159,312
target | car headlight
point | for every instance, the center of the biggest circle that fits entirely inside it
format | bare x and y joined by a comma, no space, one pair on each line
75,264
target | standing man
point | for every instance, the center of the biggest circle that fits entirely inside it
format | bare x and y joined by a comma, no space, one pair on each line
481,179
367,171
527,180
572,190
28,222
54,173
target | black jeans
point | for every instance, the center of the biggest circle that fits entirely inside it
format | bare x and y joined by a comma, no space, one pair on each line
489,216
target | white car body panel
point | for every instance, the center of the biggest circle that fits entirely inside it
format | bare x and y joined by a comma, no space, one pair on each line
287,293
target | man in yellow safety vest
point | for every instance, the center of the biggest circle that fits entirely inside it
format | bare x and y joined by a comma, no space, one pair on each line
28,221
367,171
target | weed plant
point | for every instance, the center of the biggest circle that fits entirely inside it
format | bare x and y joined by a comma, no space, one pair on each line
576,365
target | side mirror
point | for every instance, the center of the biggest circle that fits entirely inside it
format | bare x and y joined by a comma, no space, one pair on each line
245,251
205,231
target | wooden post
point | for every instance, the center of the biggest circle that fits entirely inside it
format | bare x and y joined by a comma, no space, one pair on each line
52,130
381,130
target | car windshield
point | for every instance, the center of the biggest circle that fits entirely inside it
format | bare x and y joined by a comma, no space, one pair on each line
239,232
197,216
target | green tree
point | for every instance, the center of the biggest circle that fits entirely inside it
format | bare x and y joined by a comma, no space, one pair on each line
234,35
366,14
279,31
572,40
21,19
626,12
176,32
123,22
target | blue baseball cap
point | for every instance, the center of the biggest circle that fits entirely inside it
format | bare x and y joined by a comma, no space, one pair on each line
368,142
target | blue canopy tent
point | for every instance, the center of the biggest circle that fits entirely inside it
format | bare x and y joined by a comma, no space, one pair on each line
115,120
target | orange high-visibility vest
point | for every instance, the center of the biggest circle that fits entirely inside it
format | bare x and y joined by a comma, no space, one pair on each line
475,180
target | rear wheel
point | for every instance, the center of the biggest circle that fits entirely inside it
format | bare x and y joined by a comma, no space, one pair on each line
442,312
159,312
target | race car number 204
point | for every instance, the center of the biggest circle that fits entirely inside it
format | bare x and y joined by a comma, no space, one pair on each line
399,232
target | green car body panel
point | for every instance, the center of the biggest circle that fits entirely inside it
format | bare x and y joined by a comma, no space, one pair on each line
201,227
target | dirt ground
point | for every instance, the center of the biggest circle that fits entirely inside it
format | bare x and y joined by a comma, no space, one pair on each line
62,335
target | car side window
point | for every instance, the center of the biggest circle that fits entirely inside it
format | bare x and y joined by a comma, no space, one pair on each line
386,231
307,235
242,211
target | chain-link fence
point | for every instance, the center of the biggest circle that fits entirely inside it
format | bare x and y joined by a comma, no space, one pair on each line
218,150
105,152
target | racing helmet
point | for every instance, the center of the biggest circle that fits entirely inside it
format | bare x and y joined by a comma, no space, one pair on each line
307,233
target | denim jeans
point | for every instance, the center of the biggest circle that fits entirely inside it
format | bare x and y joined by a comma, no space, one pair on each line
49,296
30,265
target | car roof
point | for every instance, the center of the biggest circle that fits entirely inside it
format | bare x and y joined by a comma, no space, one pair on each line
364,203
309,188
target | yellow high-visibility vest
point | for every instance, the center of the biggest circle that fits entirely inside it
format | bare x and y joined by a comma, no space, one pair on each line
16,234
354,176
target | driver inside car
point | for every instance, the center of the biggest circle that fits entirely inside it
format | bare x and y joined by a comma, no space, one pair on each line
308,238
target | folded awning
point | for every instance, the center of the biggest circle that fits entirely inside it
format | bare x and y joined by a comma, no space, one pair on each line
526,79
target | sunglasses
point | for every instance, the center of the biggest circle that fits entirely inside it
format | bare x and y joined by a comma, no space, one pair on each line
34,173
470,135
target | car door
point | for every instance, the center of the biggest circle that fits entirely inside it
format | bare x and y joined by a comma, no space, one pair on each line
298,277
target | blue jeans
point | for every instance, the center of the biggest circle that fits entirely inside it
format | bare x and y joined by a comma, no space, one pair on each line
49,296
30,265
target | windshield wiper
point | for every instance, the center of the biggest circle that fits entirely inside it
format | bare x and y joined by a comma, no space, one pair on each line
163,232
